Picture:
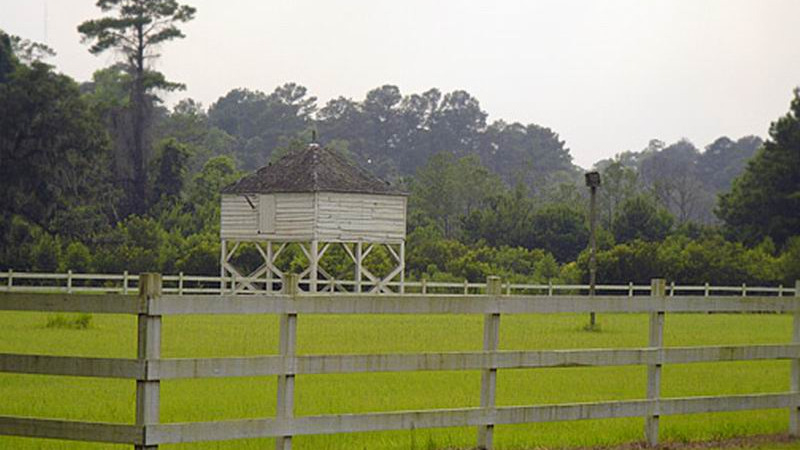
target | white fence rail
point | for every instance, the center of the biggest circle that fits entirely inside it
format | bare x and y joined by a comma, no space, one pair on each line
183,284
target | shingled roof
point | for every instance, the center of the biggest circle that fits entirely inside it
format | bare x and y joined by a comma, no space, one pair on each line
312,169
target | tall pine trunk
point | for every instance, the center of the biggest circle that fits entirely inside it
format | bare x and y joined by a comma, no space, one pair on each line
138,103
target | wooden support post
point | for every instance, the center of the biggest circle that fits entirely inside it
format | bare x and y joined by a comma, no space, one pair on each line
550,288
491,341
288,348
424,286
359,260
269,266
10,280
744,289
466,287
402,263
69,282
656,340
313,264
707,290
223,259
125,282
180,283
630,289
148,349
794,414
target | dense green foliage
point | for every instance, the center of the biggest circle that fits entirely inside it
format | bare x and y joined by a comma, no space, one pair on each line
683,179
641,217
54,154
446,189
433,257
391,134
133,29
707,259
514,220
485,198
765,199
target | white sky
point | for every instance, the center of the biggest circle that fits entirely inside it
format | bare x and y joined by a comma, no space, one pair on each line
606,75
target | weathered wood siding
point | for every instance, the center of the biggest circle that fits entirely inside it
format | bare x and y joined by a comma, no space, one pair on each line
293,221
294,216
239,219
360,217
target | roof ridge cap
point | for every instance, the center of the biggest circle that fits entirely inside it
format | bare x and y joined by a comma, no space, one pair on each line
314,163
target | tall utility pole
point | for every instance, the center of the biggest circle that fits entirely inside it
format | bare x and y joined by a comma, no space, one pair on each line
593,182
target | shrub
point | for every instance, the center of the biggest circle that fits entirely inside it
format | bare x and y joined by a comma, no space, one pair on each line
45,252
77,258
79,322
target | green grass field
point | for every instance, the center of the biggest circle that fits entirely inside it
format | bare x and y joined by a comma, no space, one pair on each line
220,399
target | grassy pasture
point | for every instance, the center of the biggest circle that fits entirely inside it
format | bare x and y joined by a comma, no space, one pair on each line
221,399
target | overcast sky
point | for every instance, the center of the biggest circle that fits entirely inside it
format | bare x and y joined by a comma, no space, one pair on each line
608,76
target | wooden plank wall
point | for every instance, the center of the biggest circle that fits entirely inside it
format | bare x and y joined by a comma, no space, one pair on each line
294,217
360,217
325,216
148,369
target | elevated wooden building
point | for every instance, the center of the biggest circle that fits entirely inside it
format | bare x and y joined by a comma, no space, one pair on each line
315,198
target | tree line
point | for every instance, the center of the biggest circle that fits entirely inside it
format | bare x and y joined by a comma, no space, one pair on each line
102,176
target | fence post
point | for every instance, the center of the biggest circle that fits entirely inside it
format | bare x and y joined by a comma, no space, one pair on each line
125,282
491,338
466,287
424,286
630,289
10,280
744,289
288,347
69,282
148,395
707,290
794,414
180,283
658,290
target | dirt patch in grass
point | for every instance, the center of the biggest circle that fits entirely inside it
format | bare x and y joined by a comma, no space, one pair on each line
749,442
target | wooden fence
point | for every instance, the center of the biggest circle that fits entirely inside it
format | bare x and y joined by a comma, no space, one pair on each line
148,369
